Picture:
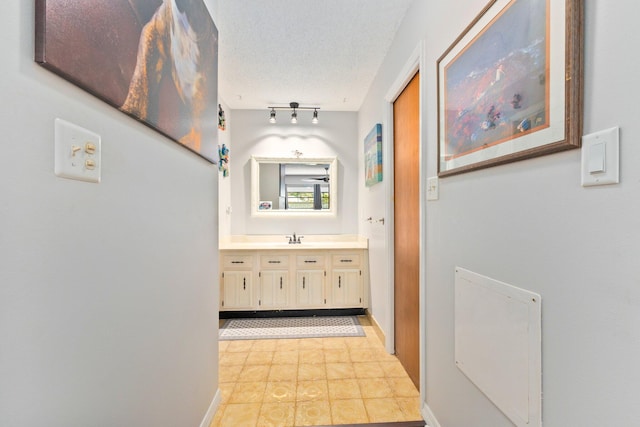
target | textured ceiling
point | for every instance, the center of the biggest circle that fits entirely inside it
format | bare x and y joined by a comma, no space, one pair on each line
323,53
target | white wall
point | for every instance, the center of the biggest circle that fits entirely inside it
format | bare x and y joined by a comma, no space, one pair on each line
108,292
335,135
531,224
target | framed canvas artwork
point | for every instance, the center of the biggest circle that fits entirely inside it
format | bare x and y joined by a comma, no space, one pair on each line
155,60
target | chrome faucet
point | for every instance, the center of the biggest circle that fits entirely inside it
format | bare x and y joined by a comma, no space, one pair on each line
293,239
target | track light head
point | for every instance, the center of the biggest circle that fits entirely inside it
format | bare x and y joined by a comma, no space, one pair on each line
314,120
294,117
272,116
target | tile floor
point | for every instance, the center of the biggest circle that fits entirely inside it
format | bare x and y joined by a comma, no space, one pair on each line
313,381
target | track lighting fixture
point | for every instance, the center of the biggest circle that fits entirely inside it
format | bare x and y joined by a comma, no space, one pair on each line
294,106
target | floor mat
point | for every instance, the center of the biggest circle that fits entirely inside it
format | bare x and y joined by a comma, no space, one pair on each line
291,327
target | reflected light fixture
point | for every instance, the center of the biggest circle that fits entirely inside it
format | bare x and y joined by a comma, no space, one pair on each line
294,106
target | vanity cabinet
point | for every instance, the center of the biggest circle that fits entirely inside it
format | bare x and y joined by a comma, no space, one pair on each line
236,289
274,282
293,279
310,283
346,281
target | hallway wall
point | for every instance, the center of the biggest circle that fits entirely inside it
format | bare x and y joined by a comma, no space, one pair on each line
108,292
532,225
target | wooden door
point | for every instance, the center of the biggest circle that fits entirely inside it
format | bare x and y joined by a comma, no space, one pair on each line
406,129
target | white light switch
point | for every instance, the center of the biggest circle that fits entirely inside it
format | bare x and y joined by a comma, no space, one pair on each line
601,158
432,188
77,152
597,155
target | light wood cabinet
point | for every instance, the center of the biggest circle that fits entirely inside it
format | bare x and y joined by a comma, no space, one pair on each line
293,279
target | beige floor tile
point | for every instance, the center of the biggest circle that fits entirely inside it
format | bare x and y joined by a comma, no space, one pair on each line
336,355
410,406
243,414
260,357
281,391
311,356
336,371
240,346
248,392
277,415
361,355
311,344
313,413
364,321
403,387
288,344
253,373
285,357
358,342
217,418
230,373
393,369
375,388
226,389
312,371
381,355
348,411
312,390
334,343
383,410
368,370
222,345
283,373
344,389
265,345
233,359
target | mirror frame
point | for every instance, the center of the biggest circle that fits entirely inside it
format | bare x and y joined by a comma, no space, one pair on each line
255,186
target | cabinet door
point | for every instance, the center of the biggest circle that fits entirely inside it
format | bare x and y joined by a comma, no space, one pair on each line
310,288
274,286
236,290
346,290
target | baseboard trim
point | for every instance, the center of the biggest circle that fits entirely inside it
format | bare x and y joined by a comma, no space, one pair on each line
376,326
429,417
211,412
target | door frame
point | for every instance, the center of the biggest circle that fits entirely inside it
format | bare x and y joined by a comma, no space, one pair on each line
414,64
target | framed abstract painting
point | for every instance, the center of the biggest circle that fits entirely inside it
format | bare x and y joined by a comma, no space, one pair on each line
154,60
510,86
373,156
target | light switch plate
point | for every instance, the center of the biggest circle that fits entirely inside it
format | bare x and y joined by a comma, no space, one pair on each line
433,191
601,158
77,152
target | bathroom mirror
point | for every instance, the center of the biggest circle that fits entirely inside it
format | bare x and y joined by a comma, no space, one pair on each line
294,186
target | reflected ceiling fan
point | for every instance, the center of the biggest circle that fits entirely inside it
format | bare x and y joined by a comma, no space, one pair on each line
321,178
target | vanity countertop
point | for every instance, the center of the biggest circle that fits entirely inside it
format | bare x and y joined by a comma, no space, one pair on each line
308,242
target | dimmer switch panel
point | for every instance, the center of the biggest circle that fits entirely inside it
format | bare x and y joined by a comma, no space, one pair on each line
77,152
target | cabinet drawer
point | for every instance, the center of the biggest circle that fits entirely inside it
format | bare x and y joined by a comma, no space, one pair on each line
345,260
310,261
237,262
277,262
